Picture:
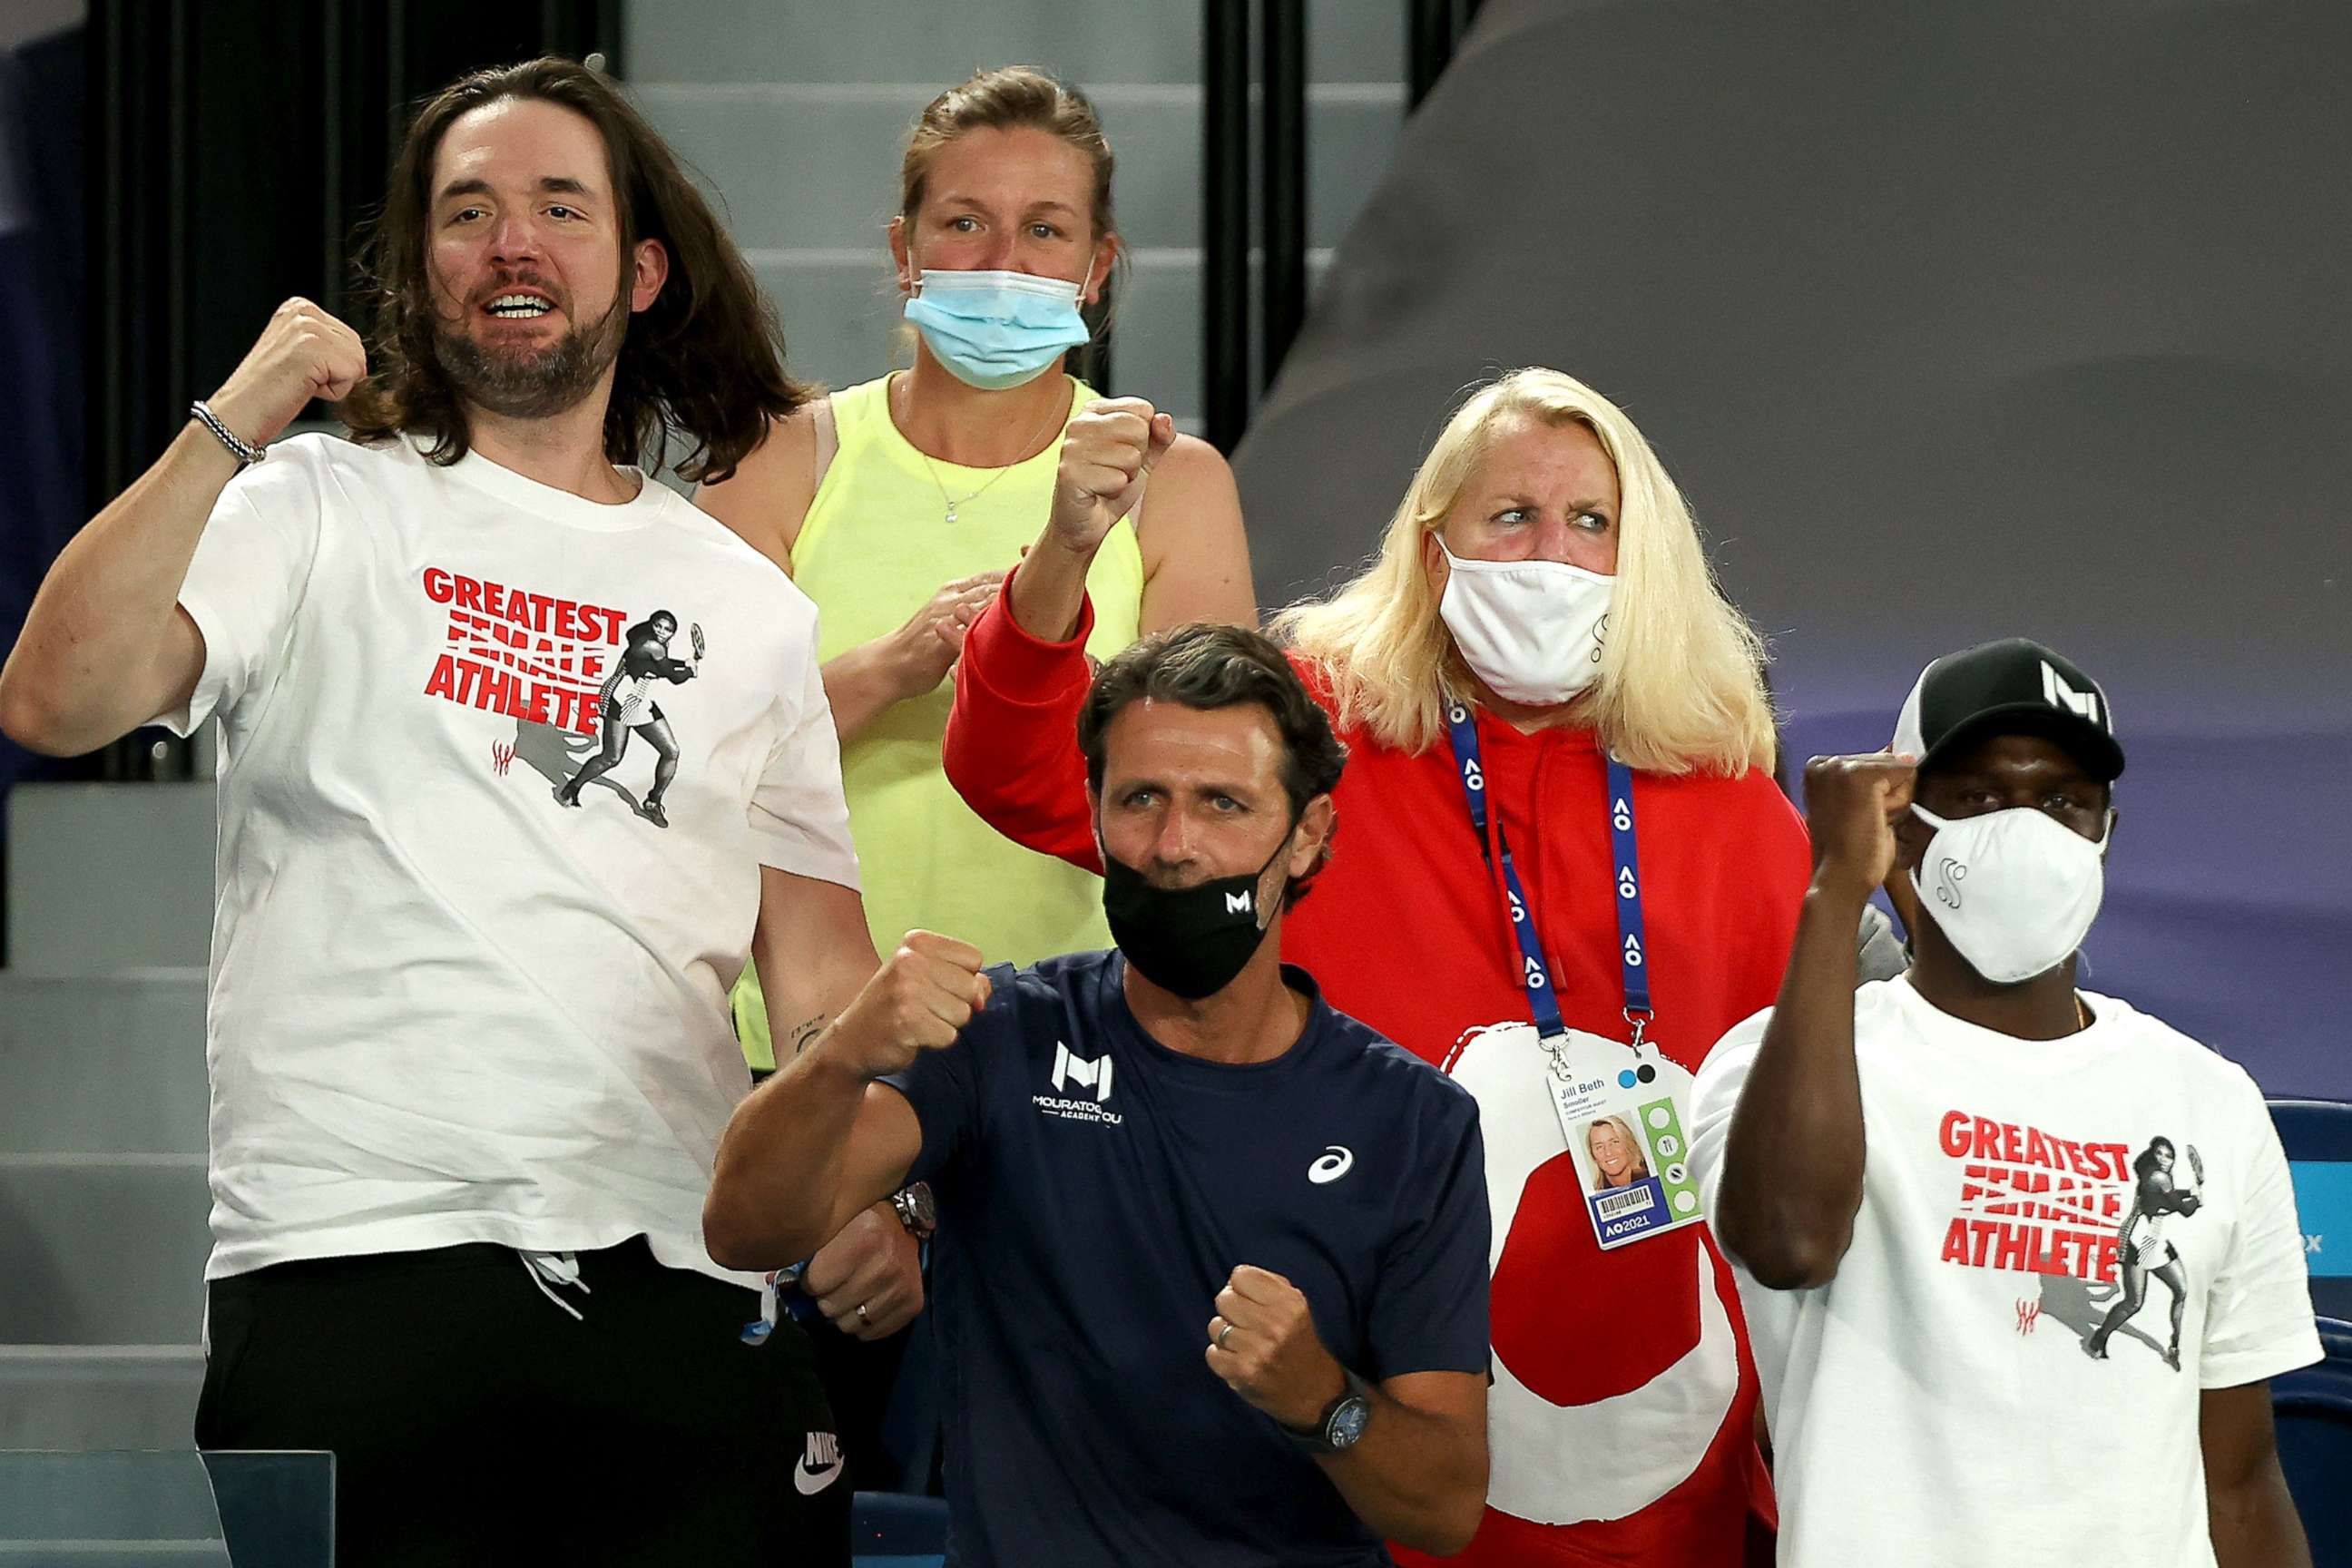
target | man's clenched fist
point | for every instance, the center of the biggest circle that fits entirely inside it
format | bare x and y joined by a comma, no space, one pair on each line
1852,804
919,1000
1263,1344
303,354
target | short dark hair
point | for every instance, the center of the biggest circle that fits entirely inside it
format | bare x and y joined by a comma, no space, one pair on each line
704,360
1208,666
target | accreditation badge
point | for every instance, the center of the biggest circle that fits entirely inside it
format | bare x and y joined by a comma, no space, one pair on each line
1625,1113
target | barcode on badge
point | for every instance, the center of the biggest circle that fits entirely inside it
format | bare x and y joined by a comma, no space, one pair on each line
1616,1205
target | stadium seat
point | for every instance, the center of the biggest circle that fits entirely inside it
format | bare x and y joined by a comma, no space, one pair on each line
2318,1136
2313,1408
891,1529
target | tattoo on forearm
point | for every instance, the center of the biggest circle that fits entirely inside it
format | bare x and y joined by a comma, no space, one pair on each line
806,1030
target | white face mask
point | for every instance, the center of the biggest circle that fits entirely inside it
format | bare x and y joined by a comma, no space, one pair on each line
2015,891
1530,629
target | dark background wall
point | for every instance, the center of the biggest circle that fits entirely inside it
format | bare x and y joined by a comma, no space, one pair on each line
1953,322
42,307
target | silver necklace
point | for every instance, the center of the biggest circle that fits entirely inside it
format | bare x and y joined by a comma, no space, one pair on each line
953,502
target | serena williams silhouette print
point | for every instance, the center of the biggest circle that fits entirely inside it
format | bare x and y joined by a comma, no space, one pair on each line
629,705
2145,1250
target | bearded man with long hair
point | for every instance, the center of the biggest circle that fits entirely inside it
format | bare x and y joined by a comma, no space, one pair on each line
470,1051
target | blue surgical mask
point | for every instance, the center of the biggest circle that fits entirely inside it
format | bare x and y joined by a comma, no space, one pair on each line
995,330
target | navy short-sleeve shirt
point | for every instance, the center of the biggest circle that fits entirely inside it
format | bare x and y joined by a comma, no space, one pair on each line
1096,1189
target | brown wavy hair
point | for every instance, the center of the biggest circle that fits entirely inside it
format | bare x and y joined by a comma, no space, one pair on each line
704,362
1008,97
1208,666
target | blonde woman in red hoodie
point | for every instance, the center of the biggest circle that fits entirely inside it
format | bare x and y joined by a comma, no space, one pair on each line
1567,936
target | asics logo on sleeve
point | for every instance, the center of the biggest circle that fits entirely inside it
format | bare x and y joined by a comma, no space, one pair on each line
1335,1163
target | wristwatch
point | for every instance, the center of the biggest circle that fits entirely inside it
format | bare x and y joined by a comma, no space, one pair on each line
916,1211
1343,1420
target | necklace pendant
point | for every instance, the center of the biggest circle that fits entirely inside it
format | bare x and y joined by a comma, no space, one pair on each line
950,513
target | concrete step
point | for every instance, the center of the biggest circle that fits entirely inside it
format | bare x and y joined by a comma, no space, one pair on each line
192,1552
113,1064
88,1398
1088,41
122,1508
109,877
816,165
102,1250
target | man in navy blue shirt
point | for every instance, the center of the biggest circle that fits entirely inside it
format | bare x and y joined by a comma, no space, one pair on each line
1210,1269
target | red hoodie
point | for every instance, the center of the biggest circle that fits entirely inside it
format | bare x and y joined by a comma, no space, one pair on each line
1633,1429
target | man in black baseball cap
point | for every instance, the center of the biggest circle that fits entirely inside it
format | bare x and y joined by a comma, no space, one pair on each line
1951,1194
2015,687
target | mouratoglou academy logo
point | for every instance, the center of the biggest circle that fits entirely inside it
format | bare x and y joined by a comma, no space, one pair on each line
1081,1088
1070,1070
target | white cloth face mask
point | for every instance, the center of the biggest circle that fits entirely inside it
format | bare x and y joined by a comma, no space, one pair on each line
1531,630
2014,890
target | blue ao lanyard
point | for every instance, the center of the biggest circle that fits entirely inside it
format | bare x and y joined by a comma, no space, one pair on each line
1632,957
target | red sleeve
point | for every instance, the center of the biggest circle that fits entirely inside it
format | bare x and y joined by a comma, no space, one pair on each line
1012,748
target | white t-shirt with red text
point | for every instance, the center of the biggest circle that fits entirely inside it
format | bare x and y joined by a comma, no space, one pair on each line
1933,1404
446,1006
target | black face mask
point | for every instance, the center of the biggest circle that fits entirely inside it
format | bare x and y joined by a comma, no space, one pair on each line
1189,940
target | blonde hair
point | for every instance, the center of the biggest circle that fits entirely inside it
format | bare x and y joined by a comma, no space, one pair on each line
1681,684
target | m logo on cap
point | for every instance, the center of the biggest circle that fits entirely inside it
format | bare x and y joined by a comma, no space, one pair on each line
2061,695
1069,1069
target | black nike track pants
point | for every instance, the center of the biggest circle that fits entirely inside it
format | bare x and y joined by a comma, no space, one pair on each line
474,1419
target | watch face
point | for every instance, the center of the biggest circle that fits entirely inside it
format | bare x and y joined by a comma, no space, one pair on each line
1348,1423
922,1207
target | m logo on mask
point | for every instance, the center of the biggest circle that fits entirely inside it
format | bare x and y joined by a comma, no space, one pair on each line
1188,940
1069,1069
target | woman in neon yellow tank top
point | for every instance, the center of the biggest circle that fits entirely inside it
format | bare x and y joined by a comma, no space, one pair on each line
899,505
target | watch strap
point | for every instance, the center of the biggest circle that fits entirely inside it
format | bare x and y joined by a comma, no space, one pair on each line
915,1211
1318,1437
